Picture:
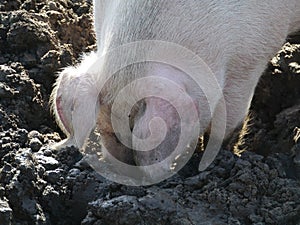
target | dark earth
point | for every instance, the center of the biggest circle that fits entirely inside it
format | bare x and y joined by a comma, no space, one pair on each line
258,184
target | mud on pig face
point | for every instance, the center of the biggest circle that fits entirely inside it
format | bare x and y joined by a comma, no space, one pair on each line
144,122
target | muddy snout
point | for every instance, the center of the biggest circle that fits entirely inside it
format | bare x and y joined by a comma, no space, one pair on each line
153,135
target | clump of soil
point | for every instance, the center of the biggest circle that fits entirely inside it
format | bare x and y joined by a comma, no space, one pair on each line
41,186
276,104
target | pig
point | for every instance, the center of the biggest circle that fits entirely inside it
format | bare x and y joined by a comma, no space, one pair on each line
235,39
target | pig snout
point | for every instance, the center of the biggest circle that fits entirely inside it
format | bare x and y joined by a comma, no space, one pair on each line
160,122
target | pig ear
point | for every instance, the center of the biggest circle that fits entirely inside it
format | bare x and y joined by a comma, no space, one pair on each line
62,97
85,108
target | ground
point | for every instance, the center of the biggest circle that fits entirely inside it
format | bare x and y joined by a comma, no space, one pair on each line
38,185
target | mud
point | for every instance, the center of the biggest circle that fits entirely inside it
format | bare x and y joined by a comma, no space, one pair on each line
41,186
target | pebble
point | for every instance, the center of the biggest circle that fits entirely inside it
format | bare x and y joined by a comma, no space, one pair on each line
35,144
49,163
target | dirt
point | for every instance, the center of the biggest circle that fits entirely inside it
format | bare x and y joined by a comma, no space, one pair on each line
260,185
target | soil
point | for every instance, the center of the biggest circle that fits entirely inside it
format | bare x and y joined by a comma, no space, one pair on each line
258,184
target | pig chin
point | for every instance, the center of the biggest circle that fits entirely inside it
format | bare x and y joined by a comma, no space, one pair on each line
156,158
116,149
159,154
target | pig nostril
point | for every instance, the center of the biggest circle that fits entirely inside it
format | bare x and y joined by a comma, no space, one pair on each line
118,141
117,135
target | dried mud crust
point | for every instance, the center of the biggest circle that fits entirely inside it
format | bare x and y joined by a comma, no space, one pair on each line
42,186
